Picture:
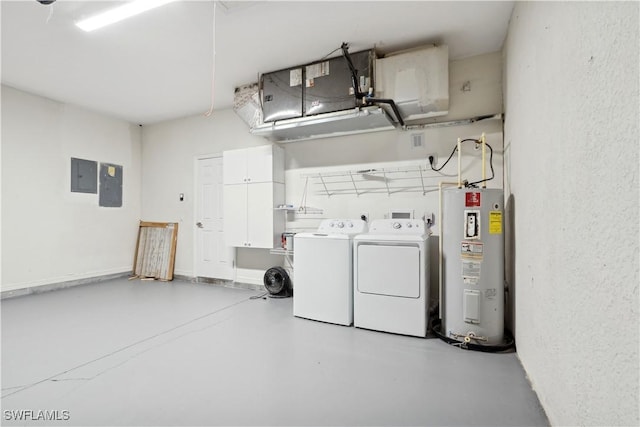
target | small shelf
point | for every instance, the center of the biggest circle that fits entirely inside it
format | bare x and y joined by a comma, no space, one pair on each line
303,210
280,251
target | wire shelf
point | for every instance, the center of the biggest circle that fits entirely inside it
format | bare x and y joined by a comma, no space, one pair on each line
385,180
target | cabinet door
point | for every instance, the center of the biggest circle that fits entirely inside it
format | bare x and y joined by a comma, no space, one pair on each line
260,163
235,214
234,163
260,215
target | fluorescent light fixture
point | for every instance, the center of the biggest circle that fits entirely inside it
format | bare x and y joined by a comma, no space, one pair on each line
119,13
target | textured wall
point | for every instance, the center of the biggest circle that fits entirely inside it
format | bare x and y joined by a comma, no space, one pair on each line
571,151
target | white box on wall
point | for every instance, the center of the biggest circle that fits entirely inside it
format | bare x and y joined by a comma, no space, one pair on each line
417,80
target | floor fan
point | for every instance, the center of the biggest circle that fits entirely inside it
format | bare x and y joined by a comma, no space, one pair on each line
277,283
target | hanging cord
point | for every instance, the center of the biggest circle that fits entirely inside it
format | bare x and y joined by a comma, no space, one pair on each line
330,53
490,165
262,295
469,184
506,345
451,155
213,68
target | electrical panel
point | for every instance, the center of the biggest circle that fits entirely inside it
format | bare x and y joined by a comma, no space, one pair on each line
110,185
84,176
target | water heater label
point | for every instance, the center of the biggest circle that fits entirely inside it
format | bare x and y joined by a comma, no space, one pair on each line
472,200
495,222
471,250
471,224
471,272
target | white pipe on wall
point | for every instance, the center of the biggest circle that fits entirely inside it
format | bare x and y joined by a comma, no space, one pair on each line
440,184
459,165
484,167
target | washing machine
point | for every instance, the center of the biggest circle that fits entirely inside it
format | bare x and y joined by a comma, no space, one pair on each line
391,278
323,268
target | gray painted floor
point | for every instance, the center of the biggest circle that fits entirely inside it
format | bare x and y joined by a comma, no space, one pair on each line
151,353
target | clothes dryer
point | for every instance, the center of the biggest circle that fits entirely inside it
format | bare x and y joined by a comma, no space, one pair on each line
391,278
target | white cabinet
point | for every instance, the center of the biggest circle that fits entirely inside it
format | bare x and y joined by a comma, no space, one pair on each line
264,163
250,220
253,187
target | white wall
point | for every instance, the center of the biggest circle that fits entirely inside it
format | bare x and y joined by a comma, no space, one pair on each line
170,149
169,154
571,146
50,235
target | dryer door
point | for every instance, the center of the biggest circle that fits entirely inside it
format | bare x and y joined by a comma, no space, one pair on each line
392,270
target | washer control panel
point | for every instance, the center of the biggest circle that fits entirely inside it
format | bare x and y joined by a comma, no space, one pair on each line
398,226
342,226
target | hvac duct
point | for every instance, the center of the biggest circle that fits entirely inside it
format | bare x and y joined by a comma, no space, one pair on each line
340,96
417,80
317,88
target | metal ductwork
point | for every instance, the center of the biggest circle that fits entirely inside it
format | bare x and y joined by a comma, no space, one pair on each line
348,94
338,123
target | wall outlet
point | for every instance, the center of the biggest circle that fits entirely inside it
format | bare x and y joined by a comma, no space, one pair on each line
434,162
429,219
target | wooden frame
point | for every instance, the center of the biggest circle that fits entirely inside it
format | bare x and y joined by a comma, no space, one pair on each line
155,250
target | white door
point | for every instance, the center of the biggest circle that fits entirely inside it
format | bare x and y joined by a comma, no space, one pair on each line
214,258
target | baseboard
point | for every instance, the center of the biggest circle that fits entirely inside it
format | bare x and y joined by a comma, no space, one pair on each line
220,282
249,276
61,285
12,293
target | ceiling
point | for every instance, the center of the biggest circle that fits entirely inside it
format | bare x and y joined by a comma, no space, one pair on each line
161,65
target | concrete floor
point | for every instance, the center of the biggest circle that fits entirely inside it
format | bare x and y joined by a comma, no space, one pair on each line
151,353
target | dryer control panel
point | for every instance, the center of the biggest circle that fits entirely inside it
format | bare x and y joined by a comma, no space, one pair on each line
342,226
398,226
